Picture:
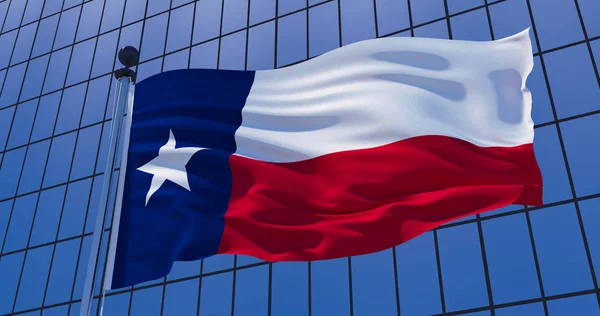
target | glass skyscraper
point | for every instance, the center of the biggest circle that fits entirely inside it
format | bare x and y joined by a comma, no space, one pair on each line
56,97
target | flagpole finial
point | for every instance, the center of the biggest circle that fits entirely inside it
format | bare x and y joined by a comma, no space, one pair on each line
129,57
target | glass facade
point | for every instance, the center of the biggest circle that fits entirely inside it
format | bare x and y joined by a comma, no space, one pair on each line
56,94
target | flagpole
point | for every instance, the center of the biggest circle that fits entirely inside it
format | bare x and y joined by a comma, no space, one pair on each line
128,56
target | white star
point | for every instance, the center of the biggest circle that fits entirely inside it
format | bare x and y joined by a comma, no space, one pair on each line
169,165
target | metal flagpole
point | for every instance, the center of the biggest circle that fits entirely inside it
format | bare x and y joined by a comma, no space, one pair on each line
128,56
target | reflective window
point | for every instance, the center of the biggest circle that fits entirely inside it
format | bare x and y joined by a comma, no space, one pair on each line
261,44
511,264
563,261
462,268
112,20
352,11
392,16
22,124
323,29
373,284
47,216
75,208
215,294
10,269
289,288
181,298
574,85
557,24
252,291
287,46
180,28
472,26
33,170
59,161
579,305
535,309
147,302
590,215
24,43
20,223
67,26
330,292
63,271
33,281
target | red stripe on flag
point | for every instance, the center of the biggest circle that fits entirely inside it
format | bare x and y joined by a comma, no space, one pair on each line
363,201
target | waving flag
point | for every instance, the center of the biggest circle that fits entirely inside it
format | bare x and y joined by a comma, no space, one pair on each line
349,153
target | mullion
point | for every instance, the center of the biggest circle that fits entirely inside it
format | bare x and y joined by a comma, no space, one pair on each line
41,18
587,41
565,157
252,26
178,50
162,68
73,160
49,147
106,107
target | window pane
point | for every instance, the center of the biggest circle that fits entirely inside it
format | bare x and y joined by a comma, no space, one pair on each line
262,10
552,165
113,12
427,10
462,267
251,292
572,80
10,268
208,19
12,85
472,26
9,173
261,46
81,62
22,124
70,109
85,152
353,11
561,254
591,216
181,298
291,48
215,298
96,101
583,155
91,13
45,226
418,281
57,70
180,28
63,271
511,17
323,28
33,282
34,78
6,117
67,27
330,293
557,24
116,304
510,259
24,43
392,16
20,223
59,161
233,51
373,284
7,41
46,116
75,209
147,302
578,305
235,15
153,43
289,288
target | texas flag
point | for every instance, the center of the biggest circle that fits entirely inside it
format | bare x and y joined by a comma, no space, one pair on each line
352,152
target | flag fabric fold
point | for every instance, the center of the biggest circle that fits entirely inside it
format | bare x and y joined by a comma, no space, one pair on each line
352,152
